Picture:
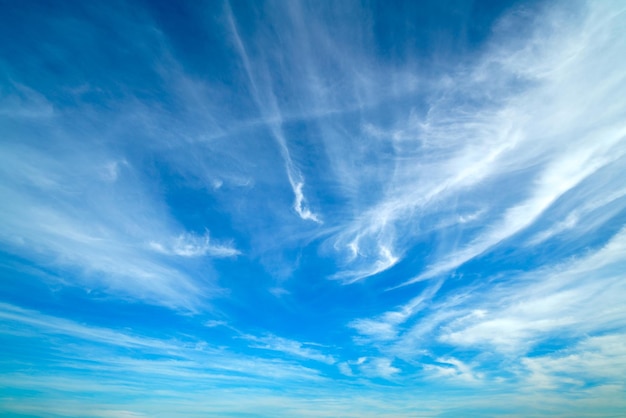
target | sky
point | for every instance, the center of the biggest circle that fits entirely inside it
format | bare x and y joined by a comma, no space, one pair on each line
325,208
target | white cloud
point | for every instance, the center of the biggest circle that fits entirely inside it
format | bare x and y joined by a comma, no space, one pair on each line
59,209
279,291
453,368
585,217
176,358
554,302
463,162
385,326
300,206
192,245
23,102
515,116
345,369
290,347
47,324
261,85
601,359
506,317
559,178
384,260
215,323
378,367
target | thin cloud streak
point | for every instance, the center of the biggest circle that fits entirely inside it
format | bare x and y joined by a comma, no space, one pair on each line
191,245
265,99
289,347
183,358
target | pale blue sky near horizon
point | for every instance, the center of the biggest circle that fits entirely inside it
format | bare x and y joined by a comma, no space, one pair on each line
294,208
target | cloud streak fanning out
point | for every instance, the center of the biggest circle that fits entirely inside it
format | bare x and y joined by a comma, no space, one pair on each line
313,209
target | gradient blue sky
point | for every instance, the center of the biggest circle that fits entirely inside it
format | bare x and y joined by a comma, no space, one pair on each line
326,208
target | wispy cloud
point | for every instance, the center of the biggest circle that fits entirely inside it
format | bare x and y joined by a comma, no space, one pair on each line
90,210
61,211
191,245
510,319
385,327
251,160
503,118
176,356
548,303
269,109
289,347
601,359
377,367
136,373
561,176
24,102
452,368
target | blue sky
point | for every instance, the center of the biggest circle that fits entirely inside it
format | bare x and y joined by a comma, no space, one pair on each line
312,208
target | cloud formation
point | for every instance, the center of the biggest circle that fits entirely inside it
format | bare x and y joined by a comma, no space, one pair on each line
313,209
